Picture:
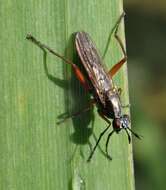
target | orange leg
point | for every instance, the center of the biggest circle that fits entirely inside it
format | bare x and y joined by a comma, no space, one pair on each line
76,69
117,66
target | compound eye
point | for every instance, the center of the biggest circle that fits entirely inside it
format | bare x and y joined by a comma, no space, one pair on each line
125,121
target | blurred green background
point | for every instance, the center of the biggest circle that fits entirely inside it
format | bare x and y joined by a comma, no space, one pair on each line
145,24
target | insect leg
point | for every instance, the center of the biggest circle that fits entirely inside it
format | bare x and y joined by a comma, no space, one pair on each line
129,138
118,38
106,145
76,69
117,66
135,134
90,156
102,133
119,91
103,117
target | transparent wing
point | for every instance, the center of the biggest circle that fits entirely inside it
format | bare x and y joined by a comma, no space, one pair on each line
93,65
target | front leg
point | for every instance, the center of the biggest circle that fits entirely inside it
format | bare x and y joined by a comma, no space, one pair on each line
104,117
101,134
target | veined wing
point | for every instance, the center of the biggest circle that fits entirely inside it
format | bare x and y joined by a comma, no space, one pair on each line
93,65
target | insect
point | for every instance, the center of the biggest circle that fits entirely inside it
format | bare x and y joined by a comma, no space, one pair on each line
99,83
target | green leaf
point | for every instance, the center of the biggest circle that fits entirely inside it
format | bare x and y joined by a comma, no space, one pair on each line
36,153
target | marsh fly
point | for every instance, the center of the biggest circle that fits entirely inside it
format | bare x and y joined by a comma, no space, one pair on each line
99,83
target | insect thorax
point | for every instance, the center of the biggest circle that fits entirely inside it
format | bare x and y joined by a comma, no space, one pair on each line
113,106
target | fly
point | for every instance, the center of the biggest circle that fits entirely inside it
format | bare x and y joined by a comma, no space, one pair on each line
99,83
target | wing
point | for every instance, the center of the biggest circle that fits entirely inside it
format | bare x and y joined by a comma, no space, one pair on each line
93,65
